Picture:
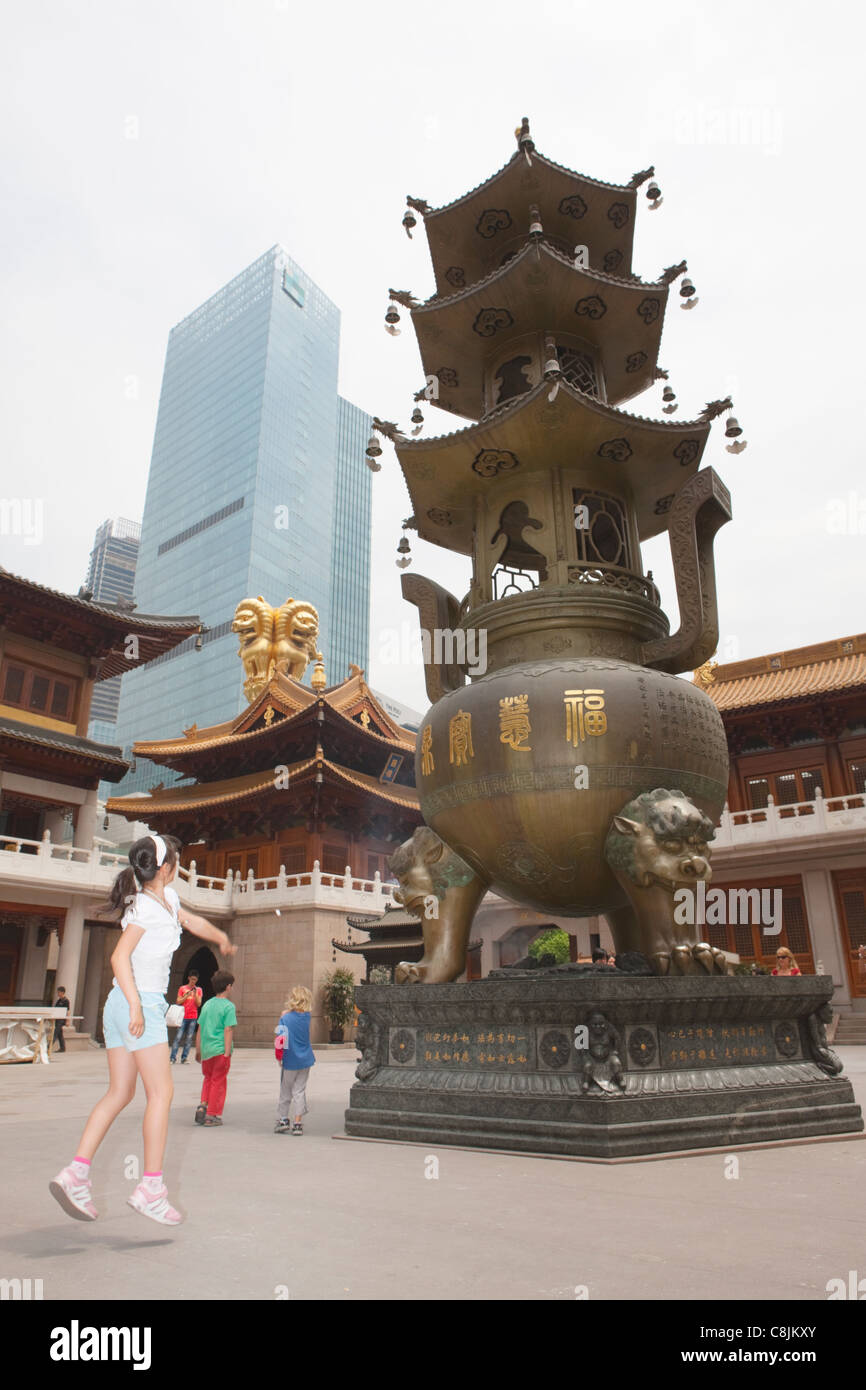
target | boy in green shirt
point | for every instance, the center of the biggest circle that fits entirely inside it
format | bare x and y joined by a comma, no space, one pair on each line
213,1048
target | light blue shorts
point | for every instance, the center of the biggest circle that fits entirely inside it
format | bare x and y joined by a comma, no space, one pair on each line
115,1021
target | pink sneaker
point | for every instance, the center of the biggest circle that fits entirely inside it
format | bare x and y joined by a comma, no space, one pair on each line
73,1194
155,1205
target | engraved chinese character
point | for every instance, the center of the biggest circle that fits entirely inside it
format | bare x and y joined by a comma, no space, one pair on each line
584,715
511,1037
460,748
428,1056
510,1059
464,1057
514,726
427,763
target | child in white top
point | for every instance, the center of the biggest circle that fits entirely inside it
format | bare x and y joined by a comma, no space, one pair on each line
136,1037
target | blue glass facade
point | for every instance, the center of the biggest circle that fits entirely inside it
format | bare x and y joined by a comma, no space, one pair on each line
111,576
350,549
256,476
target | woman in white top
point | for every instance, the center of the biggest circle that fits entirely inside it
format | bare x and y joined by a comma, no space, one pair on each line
136,1037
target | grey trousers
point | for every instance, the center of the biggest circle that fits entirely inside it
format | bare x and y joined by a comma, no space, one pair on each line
293,1093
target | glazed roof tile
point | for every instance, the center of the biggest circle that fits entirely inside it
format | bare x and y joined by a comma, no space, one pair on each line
803,672
64,743
234,789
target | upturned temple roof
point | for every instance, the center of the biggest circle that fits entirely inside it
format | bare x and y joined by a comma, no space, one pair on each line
253,738
472,234
620,318
258,788
820,669
97,630
19,741
651,458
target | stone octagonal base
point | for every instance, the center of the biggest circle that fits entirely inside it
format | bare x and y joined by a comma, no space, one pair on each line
672,1064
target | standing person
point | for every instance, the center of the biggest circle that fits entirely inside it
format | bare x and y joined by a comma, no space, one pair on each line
213,1048
785,962
136,1037
297,1058
190,996
61,1002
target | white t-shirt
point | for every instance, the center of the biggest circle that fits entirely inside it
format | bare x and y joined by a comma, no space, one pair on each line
151,959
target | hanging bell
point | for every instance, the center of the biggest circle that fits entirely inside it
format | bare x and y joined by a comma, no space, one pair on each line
392,313
551,367
535,228
403,547
653,192
687,289
409,221
732,427
417,416
668,394
374,448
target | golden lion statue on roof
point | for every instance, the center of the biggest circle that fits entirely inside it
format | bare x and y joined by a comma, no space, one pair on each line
274,640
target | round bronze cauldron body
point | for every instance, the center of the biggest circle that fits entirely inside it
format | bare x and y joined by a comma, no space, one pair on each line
522,772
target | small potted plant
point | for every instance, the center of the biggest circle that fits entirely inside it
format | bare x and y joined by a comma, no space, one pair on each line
338,1001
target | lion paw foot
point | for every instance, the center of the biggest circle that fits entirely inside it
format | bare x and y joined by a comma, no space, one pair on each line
698,959
408,973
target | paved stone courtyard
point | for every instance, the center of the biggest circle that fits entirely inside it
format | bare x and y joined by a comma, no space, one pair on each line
317,1218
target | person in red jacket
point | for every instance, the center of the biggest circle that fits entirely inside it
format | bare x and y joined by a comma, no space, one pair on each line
785,962
190,996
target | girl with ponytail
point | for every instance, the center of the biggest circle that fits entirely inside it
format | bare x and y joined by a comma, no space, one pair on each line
136,1037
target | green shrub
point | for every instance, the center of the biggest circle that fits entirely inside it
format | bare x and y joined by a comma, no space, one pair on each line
553,942
338,997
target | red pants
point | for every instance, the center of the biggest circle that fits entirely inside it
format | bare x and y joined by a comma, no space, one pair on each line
213,1091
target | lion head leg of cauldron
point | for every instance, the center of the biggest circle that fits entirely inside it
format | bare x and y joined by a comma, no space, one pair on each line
439,888
658,850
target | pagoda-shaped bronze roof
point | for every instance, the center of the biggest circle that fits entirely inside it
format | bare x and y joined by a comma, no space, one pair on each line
650,458
474,234
620,319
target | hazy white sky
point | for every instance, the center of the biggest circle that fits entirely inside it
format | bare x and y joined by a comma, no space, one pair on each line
152,148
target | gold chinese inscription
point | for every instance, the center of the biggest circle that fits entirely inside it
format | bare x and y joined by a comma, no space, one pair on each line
505,1048
514,726
460,748
732,1044
427,763
584,715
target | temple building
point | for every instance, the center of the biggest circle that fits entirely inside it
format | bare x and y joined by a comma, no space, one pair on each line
796,815
310,788
54,651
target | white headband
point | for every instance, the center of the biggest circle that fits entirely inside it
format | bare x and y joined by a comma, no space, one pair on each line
161,849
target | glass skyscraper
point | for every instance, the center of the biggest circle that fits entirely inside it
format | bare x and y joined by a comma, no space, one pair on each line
258,485
111,576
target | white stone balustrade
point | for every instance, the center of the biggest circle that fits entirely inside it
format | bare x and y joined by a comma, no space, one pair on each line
65,868
62,868
826,815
